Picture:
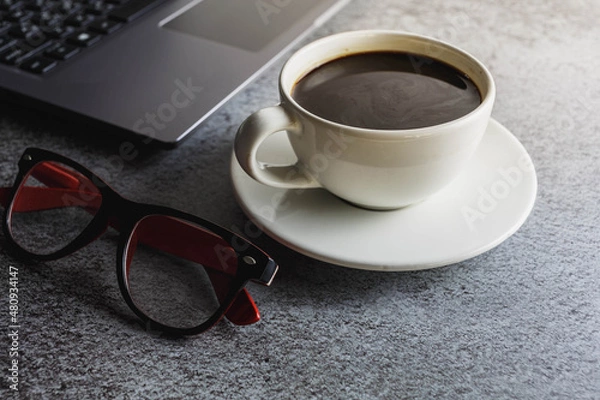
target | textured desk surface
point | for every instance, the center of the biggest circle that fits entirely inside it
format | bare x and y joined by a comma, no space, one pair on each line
520,321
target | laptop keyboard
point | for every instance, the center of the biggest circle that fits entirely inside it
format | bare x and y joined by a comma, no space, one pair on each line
37,35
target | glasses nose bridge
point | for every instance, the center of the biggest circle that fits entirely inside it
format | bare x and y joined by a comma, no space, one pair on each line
118,210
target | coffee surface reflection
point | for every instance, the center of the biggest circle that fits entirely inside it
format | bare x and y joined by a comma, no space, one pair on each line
387,90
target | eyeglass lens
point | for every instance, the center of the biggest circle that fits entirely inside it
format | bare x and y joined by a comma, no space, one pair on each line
176,271
53,205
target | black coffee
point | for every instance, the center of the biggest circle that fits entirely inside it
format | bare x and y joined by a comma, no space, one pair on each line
387,90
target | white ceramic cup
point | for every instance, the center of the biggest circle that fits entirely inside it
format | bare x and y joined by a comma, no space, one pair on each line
377,169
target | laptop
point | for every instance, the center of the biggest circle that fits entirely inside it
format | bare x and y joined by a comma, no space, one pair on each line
153,68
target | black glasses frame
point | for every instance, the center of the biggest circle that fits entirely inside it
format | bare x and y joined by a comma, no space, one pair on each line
252,263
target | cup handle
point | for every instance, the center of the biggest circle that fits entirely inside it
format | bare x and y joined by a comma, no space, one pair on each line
253,131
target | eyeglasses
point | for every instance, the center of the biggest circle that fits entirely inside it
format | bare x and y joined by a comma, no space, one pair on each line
178,273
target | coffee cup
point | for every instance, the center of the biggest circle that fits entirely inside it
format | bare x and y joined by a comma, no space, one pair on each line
356,151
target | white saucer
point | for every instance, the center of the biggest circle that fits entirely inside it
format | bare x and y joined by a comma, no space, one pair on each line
476,212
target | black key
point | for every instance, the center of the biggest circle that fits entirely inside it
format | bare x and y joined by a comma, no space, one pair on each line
58,31
30,32
37,5
79,20
6,41
35,38
38,65
98,7
19,30
133,10
48,18
104,26
67,7
4,26
83,38
18,15
7,5
18,52
62,51
13,55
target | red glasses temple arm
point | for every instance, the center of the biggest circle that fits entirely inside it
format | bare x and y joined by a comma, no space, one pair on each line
43,198
243,310
63,190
